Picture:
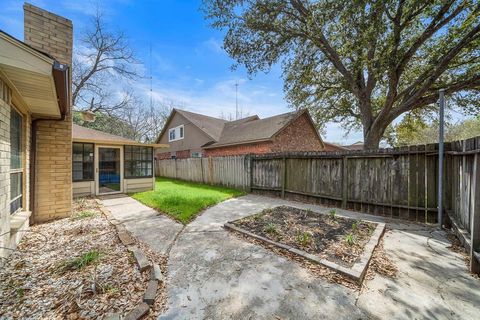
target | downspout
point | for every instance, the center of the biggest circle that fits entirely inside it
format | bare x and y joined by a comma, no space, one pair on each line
63,69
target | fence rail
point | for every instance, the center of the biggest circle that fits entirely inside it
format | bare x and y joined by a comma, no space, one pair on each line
224,171
399,182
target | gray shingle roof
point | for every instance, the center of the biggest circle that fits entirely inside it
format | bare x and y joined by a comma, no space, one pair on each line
246,130
82,133
211,126
253,129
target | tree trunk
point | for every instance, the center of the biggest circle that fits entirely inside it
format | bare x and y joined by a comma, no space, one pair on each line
371,138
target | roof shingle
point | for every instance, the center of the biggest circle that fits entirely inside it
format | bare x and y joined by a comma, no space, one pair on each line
82,133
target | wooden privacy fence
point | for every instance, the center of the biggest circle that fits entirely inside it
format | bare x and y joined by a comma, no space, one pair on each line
224,171
399,182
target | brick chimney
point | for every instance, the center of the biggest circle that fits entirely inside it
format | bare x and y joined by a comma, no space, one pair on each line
52,162
49,33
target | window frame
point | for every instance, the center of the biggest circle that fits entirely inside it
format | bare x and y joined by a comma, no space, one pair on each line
83,161
179,129
17,171
127,162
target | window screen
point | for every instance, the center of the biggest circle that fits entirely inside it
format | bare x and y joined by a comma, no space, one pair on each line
16,163
138,162
82,157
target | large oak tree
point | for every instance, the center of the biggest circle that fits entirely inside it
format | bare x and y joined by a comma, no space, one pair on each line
359,63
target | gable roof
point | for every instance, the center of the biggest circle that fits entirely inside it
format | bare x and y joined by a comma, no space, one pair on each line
209,125
254,129
247,130
83,134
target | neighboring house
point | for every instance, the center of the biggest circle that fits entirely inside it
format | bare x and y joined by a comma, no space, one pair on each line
186,133
194,135
332,147
106,164
356,146
35,124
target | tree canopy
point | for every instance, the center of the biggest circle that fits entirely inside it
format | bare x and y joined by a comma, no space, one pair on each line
360,63
413,130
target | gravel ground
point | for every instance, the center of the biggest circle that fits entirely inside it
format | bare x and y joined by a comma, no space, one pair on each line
35,282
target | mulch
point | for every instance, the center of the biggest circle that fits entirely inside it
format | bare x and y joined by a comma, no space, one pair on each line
34,285
379,264
323,235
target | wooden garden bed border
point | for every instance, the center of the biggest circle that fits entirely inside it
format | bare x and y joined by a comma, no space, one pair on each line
356,272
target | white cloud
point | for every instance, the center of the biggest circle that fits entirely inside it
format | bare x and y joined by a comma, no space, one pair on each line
211,45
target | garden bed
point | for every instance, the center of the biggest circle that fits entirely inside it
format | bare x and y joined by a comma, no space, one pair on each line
340,243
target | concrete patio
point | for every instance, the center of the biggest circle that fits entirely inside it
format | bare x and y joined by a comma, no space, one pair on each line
215,275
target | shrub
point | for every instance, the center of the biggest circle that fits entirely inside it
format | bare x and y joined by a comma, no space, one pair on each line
355,226
332,213
270,228
304,238
83,215
349,238
80,262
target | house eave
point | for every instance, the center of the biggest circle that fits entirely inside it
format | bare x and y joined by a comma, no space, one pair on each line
35,79
120,143
214,146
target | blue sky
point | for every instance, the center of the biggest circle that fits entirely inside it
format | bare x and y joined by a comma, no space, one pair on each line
188,64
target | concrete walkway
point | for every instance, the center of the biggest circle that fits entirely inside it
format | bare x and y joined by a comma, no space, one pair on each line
145,223
215,275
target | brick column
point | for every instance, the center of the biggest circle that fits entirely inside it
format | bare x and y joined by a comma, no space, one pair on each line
51,34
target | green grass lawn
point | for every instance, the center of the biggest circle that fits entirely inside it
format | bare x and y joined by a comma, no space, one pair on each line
183,200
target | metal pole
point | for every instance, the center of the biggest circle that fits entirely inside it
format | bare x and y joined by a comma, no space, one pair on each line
440,156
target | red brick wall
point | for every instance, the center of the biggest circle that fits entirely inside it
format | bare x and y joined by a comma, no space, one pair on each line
300,135
178,154
256,148
163,155
182,154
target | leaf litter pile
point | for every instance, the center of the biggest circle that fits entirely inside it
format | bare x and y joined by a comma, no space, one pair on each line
73,268
328,236
380,262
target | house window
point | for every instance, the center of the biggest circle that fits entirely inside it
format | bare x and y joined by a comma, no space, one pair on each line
82,157
196,154
138,162
16,163
175,133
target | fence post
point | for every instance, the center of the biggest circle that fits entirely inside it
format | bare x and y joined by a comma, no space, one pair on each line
284,176
201,168
475,229
344,181
250,165
175,168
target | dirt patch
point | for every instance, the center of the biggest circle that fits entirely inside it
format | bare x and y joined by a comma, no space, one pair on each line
337,239
73,268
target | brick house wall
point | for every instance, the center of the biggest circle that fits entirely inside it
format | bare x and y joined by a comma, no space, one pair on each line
5,94
52,34
182,154
299,135
253,148
163,155
8,238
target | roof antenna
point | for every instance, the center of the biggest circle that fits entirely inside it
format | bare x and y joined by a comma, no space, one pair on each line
151,78
236,100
